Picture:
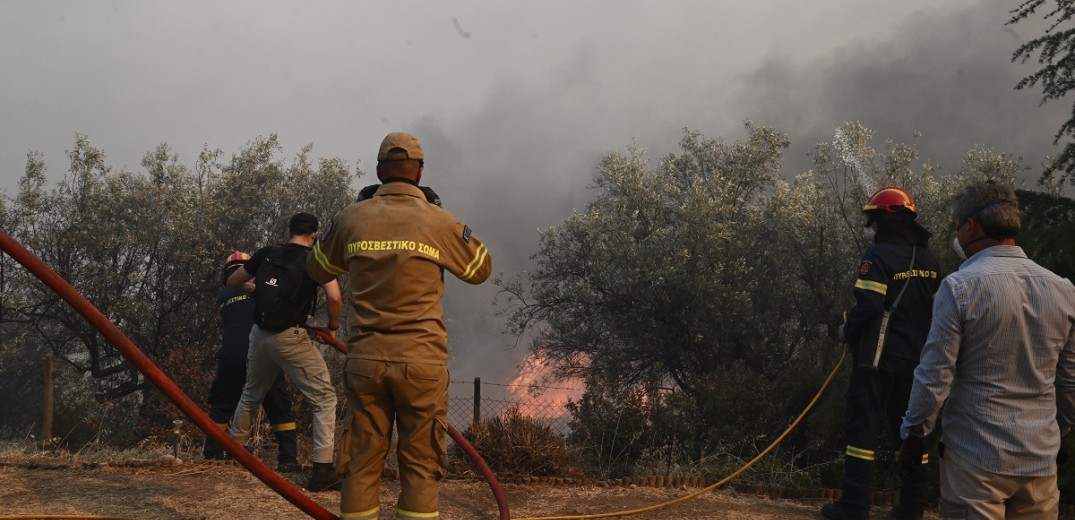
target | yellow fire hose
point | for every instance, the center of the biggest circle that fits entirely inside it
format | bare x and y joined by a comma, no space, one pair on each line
727,479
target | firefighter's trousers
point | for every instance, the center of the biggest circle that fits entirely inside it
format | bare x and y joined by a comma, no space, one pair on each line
414,398
876,402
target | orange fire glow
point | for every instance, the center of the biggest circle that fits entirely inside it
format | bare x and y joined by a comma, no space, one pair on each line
538,394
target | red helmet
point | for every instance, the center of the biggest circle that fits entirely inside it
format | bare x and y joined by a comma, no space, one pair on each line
236,259
891,200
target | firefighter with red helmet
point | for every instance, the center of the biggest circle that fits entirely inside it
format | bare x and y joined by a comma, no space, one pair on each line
885,330
236,318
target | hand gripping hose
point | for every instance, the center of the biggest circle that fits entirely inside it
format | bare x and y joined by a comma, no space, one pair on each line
135,356
326,337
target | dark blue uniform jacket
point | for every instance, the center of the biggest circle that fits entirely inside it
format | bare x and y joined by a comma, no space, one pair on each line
885,269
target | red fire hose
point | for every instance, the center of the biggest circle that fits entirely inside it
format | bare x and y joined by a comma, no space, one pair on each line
161,381
193,412
501,501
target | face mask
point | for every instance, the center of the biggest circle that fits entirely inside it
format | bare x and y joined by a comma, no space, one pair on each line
868,232
958,248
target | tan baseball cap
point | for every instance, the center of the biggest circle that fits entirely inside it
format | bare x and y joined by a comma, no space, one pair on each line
400,145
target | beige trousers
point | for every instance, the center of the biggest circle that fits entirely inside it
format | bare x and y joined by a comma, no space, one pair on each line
975,494
293,353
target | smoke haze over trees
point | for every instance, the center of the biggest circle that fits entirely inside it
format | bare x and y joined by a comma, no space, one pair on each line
517,120
695,295
515,117
712,287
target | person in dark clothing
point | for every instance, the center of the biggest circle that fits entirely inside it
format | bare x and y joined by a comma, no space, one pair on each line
236,318
886,329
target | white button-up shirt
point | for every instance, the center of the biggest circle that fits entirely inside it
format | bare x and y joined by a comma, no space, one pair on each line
1001,351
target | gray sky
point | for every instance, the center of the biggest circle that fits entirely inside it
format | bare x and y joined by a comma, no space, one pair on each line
515,102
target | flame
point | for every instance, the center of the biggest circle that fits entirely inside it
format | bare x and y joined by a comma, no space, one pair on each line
538,394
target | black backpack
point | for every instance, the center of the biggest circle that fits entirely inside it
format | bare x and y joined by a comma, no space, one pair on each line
277,293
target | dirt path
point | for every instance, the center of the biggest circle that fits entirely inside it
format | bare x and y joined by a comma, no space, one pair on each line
203,491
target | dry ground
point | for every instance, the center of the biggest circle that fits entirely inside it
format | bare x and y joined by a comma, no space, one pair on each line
203,491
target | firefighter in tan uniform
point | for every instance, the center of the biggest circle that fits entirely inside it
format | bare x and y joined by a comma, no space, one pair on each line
395,247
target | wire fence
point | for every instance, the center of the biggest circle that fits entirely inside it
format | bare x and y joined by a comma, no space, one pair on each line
470,402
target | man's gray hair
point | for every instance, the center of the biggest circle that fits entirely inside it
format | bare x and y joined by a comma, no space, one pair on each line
994,206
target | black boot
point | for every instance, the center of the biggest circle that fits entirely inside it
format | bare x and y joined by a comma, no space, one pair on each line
901,513
854,503
212,450
838,511
323,478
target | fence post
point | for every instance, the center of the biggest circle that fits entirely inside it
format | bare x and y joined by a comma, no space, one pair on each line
47,402
477,400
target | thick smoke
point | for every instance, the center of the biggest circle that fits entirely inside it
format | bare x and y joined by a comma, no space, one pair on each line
948,76
516,157
524,161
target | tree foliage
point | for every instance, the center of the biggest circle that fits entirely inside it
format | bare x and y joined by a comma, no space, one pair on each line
147,249
712,285
1048,234
1055,52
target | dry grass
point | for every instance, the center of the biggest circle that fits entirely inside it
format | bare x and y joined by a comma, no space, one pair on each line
514,444
40,483
28,452
132,484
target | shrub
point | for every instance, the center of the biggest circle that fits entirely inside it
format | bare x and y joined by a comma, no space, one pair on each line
514,444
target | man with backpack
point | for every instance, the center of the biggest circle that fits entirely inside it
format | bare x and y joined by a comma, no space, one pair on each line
236,319
283,299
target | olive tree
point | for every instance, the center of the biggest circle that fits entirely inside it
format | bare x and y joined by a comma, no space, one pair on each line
713,285
1055,52
679,279
147,250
